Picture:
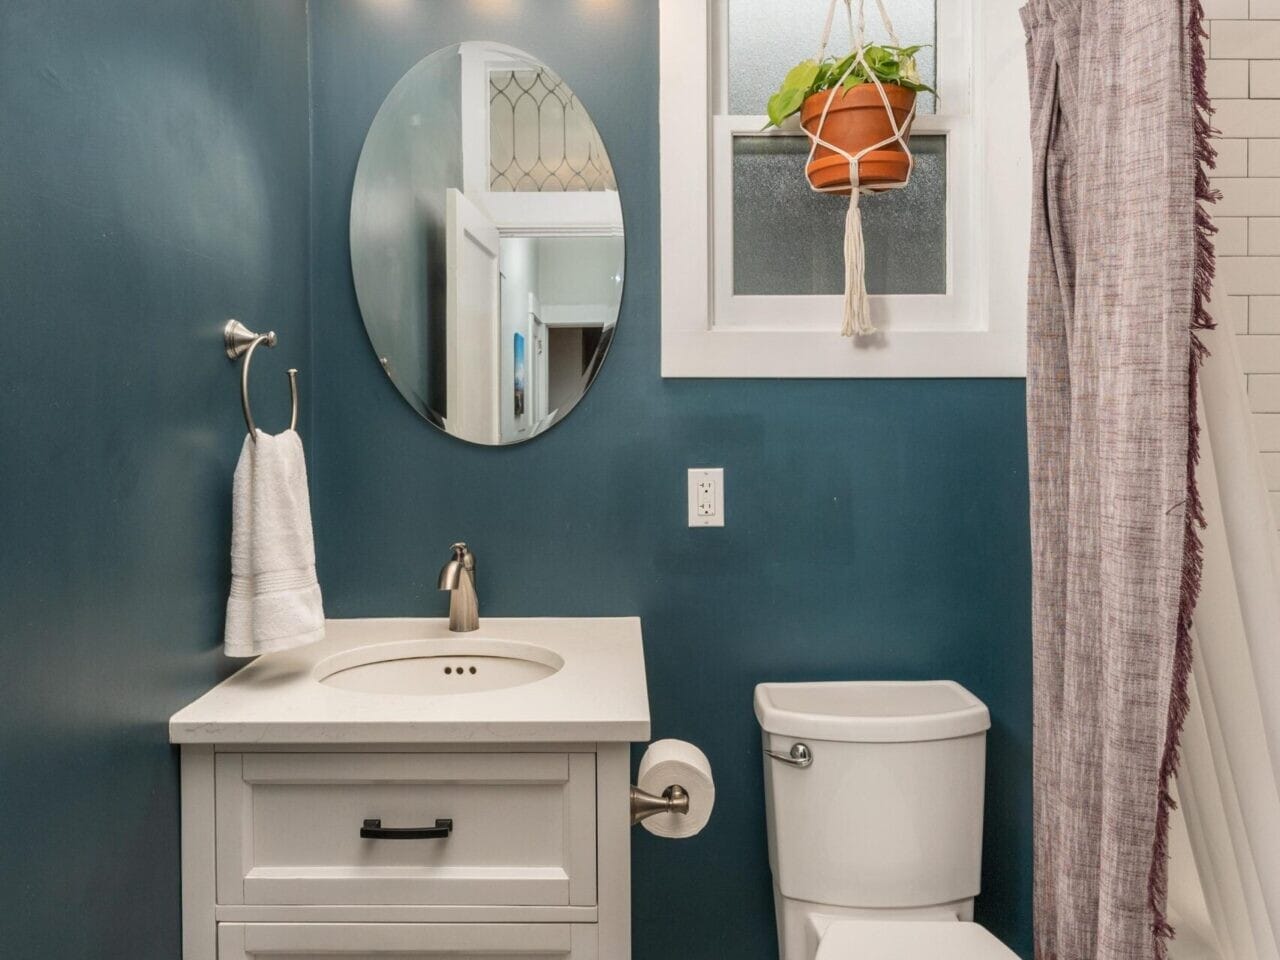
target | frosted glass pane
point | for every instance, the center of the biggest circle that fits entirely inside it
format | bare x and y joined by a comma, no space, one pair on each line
768,38
787,239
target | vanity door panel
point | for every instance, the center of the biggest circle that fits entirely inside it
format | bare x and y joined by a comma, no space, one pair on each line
407,941
522,833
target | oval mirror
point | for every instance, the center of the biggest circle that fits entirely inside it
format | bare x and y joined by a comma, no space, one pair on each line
487,243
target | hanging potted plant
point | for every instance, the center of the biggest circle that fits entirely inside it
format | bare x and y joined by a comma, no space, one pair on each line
856,111
851,107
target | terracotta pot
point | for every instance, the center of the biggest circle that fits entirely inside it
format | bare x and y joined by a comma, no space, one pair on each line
856,120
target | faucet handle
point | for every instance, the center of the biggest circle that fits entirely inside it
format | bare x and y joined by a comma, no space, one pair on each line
462,554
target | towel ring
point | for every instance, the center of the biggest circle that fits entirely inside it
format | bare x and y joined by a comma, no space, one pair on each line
241,341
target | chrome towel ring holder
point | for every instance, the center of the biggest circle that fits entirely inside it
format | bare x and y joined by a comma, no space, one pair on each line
241,342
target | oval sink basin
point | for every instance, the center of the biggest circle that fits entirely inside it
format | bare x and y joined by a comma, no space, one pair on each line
438,667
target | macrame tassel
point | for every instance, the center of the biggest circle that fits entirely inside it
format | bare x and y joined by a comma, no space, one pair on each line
857,309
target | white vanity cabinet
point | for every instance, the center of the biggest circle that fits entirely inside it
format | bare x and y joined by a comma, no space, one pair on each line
294,824
403,941
535,861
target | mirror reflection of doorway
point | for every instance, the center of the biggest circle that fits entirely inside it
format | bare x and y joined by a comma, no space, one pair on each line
559,298
571,353
539,354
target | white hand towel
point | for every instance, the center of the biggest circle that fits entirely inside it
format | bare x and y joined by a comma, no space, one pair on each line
274,603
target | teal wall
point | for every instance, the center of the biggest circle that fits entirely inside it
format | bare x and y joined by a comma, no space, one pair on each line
153,182
875,528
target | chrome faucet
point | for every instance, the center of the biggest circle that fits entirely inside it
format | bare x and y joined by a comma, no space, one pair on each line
458,576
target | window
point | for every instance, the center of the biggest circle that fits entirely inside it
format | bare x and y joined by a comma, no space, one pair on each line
532,160
540,137
752,265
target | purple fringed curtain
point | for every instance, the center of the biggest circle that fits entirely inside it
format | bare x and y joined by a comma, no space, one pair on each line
1120,262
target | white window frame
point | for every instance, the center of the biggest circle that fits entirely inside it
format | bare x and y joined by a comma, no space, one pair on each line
976,329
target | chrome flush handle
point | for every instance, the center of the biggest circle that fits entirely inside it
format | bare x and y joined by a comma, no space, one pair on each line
800,756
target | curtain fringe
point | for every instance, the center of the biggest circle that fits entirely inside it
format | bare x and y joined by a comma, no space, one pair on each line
1192,548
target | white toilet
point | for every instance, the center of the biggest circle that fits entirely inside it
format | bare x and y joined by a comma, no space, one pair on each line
874,799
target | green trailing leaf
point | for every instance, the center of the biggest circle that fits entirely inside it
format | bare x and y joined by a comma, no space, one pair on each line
802,74
783,104
889,65
791,94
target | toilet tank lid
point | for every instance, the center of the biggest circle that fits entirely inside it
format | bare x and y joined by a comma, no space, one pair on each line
870,711
910,940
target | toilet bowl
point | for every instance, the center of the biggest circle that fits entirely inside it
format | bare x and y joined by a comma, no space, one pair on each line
874,793
912,940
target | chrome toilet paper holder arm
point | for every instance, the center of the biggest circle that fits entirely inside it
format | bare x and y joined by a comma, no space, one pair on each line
674,799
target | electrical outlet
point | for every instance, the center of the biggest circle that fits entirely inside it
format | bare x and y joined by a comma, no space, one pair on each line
706,497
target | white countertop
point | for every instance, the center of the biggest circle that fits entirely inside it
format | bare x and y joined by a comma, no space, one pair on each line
598,695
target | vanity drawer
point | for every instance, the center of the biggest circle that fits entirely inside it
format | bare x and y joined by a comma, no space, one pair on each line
408,941
523,828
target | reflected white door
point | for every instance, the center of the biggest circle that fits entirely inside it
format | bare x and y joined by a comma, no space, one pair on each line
538,361
473,321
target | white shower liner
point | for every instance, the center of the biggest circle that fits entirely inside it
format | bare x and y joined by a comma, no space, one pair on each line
1228,784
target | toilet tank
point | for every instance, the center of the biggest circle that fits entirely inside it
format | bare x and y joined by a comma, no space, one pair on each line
888,813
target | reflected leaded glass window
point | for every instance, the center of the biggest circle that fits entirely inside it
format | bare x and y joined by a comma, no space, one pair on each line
541,138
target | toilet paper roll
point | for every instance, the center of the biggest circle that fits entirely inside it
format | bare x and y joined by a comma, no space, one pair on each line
668,762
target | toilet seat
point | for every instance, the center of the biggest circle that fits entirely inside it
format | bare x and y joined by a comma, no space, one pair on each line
910,940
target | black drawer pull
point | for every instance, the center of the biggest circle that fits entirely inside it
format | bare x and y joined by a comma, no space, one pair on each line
374,830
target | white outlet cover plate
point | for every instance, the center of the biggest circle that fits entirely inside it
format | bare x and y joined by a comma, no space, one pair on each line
706,496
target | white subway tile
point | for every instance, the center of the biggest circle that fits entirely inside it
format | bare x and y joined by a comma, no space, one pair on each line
1231,313
1232,238
1264,315
1267,427
1228,78
1271,470
1264,158
1226,9
1264,237
1264,9
1248,197
1244,39
1248,118
1249,275
1259,354
1233,158
1264,392
1264,78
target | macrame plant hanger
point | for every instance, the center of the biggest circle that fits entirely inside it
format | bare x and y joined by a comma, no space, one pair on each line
857,308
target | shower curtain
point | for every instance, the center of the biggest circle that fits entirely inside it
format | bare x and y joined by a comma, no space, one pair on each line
1229,780
1119,265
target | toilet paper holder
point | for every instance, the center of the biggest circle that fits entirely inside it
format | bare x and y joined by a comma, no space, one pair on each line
674,799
